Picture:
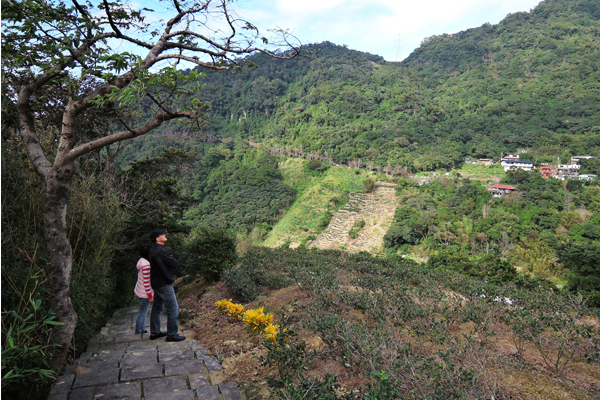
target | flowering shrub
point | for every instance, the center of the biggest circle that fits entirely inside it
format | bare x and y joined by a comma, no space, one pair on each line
222,305
257,320
235,311
270,332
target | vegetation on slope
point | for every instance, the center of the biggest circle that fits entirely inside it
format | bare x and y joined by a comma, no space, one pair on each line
530,81
322,193
391,329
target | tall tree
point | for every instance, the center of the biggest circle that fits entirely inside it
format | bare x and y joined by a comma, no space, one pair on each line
118,60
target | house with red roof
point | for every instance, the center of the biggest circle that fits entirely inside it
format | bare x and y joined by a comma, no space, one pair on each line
547,170
499,190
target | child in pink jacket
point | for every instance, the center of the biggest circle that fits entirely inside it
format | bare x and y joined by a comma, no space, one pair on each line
143,290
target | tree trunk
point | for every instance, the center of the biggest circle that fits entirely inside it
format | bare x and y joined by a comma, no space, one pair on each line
60,254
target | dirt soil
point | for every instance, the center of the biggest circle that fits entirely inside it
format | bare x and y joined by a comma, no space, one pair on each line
238,350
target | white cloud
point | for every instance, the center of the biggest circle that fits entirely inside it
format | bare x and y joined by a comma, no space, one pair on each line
378,26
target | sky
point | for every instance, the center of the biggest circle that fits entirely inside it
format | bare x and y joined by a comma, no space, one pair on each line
388,28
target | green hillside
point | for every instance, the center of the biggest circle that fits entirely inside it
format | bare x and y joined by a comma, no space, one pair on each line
531,81
285,145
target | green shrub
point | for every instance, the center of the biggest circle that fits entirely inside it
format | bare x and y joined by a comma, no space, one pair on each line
368,185
582,260
326,219
316,165
358,225
241,285
209,252
27,350
490,266
252,279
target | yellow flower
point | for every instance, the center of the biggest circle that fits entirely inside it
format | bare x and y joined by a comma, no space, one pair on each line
235,310
257,319
270,332
222,305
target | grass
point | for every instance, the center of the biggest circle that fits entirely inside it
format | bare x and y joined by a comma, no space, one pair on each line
316,195
488,173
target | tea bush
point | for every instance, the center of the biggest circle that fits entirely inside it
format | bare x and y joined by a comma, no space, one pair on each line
241,285
209,252
427,330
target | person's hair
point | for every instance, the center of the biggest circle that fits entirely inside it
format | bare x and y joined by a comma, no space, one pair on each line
145,251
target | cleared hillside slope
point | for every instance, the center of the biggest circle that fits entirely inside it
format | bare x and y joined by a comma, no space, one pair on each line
375,209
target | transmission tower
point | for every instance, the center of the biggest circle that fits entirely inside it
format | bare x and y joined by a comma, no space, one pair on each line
397,47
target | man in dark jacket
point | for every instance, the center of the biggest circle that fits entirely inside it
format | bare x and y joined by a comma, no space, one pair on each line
162,265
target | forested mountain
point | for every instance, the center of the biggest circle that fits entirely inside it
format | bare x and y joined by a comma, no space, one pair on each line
531,81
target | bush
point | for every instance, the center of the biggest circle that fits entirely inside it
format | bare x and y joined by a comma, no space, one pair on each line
27,350
358,225
368,185
209,252
250,281
316,165
326,219
582,260
490,266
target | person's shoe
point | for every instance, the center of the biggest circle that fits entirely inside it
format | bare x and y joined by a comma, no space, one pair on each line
175,338
157,336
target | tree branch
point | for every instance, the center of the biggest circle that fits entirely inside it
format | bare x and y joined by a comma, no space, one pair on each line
192,60
110,19
85,15
119,136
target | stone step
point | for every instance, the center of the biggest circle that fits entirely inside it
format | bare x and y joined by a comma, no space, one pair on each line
121,365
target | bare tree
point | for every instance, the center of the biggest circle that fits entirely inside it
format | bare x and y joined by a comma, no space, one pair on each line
136,60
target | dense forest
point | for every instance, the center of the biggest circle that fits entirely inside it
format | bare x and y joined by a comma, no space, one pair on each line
530,83
546,229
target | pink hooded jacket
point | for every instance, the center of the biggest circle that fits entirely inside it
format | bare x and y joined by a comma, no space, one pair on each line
142,287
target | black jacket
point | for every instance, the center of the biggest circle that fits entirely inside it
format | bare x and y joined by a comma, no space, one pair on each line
162,265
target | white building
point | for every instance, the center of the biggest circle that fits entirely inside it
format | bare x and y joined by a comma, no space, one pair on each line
509,157
499,190
508,165
588,177
568,169
576,159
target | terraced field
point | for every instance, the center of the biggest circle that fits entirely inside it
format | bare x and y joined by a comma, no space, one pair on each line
376,209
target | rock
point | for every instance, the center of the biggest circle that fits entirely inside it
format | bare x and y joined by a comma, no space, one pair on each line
185,315
315,343
216,377
253,392
230,343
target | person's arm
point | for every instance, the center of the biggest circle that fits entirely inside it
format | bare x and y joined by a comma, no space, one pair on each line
146,279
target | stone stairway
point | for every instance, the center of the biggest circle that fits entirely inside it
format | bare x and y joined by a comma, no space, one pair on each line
120,365
376,209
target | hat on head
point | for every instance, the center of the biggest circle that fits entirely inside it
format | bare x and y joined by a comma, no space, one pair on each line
156,233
